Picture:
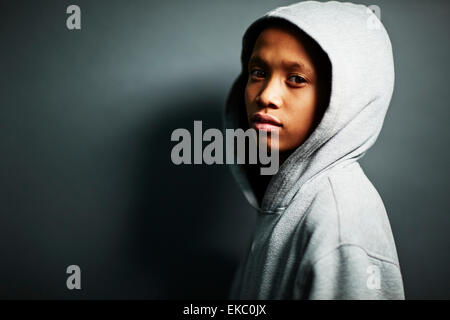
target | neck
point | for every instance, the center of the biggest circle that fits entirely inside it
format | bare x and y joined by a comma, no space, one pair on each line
260,182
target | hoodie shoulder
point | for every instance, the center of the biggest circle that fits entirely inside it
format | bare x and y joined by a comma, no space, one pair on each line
350,251
347,210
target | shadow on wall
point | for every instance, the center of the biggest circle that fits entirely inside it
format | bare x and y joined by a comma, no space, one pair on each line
175,208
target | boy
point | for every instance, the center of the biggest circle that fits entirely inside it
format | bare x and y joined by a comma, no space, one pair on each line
322,77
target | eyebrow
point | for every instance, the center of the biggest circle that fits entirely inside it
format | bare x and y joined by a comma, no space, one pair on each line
286,64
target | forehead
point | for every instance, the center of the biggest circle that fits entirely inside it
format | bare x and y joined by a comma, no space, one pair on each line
276,45
278,37
276,34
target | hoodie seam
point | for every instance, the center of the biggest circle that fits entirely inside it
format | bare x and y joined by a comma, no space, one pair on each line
333,192
300,282
341,243
275,211
349,244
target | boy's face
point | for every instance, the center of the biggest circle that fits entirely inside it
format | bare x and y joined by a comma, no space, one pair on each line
282,90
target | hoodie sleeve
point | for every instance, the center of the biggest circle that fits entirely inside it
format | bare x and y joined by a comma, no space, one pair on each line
349,272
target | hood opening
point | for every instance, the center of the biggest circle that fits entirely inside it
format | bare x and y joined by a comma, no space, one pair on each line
322,65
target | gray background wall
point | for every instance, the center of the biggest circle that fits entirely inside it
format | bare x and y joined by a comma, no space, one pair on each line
85,170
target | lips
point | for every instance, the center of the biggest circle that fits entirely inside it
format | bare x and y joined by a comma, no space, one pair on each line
264,121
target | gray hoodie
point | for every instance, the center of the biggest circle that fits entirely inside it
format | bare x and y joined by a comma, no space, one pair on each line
322,231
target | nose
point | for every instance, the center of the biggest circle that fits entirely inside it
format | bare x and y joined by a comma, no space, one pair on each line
270,95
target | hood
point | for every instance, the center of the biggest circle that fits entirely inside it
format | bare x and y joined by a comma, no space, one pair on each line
362,81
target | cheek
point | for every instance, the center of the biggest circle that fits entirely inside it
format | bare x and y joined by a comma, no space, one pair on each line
301,119
306,108
249,98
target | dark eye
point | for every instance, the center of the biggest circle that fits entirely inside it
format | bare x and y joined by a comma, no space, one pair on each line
297,79
258,73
